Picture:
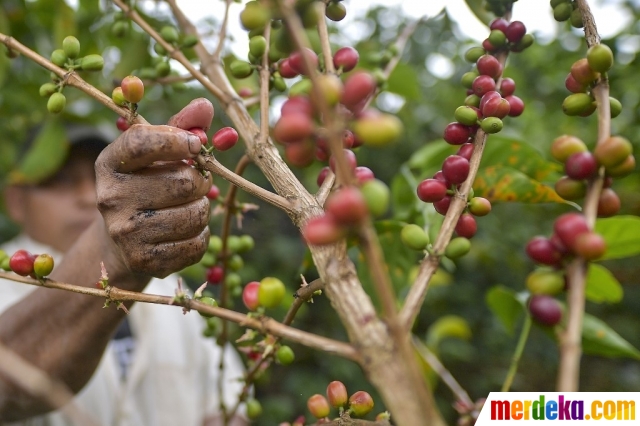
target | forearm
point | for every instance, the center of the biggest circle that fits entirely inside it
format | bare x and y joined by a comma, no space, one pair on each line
63,333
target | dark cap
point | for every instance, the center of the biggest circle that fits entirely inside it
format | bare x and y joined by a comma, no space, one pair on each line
47,149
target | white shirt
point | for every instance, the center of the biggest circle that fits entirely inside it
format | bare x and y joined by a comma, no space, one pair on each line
173,379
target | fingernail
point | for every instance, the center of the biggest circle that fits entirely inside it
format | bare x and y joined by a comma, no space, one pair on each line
194,144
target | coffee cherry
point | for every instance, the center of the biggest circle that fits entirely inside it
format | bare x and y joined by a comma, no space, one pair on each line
47,89
122,124
568,227
496,107
132,89
487,46
613,151
254,408
497,38
254,16
322,175
455,169
472,100
515,31
483,84
292,128
457,247
608,203
376,195
199,132
285,70
565,146
431,190
58,57
414,237
92,62
622,169
577,104
479,206
600,57
590,246
336,11
209,301
21,262
118,97
363,175
346,58
250,295
240,69
582,73
581,165
378,130
297,62
360,403
442,206
300,154
215,275
189,40
337,394
297,105
489,65
466,151
507,87
347,206
562,11
466,115
43,265
573,86
467,79
491,125
516,105
358,88
499,24
615,107
576,19
257,45
71,47
322,230
558,244
541,250
224,138
466,226
56,103
271,292
285,355
545,310
545,281
318,406
456,133
472,55
352,162
571,189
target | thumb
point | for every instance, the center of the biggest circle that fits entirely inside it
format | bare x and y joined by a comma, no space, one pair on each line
199,113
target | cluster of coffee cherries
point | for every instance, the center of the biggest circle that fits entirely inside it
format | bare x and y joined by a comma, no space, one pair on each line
212,260
27,264
585,73
567,10
67,57
359,404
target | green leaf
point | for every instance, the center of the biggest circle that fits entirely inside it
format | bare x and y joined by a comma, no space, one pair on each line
428,159
448,326
600,339
602,286
521,156
404,82
622,235
403,194
505,304
498,183
45,156
477,7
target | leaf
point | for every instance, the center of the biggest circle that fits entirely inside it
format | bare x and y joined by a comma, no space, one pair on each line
505,305
403,194
445,327
521,156
600,339
602,286
404,82
429,158
498,183
45,156
477,7
622,235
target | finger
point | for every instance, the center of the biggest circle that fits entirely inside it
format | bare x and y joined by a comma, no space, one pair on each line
157,186
169,224
165,258
142,145
199,113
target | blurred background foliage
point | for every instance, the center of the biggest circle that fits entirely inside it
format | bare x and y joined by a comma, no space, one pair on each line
471,342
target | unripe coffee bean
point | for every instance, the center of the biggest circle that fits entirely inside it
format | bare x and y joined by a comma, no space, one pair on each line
240,69
600,57
92,62
71,47
118,97
132,89
56,103
479,206
360,403
318,406
582,72
613,151
376,194
622,169
545,281
562,12
571,189
590,246
608,203
577,104
466,115
43,265
48,89
169,34
379,130
414,237
472,55
491,125
285,355
209,301
58,57
566,145
457,247
336,11
271,292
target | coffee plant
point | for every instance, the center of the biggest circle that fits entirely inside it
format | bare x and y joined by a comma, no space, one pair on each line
417,220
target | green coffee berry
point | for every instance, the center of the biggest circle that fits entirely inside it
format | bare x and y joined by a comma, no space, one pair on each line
58,57
71,47
56,103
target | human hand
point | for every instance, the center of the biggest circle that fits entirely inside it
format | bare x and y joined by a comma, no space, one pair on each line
153,204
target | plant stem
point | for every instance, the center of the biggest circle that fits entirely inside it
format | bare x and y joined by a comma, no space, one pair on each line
515,360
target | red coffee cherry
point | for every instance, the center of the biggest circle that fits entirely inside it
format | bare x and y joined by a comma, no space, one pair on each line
297,105
250,295
455,169
322,175
293,128
568,227
499,24
431,190
496,107
318,406
507,87
442,206
489,65
337,394
456,133
608,203
613,151
224,138
122,124
215,275
21,262
542,250
296,61
483,84
364,174
487,97
351,160
132,89
515,31
545,309
573,86
590,246
346,58
465,151
358,88
214,192
582,73
566,145
466,226
516,105
285,70
347,206
581,165
200,134
322,230
300,154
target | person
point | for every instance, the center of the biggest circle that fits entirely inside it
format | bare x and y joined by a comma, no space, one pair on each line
152,366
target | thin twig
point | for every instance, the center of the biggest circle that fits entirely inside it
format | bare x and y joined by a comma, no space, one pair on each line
325,45
401,43
265,74
325,188
222,36
571,339
517,354
36,382
264,325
